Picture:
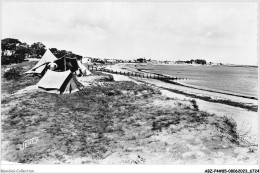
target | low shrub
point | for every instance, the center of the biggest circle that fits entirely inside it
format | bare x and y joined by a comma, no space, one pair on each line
194,104
17,58
232,129
12,74
108,78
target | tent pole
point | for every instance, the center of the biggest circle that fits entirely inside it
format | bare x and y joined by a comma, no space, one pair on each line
65,64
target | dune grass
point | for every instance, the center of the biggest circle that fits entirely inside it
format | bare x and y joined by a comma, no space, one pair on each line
89,125
16,79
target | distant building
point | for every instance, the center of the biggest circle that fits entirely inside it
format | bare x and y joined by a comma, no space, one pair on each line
8,52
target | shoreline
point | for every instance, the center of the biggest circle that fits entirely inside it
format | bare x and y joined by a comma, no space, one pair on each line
184,64
239,101
194,87
203,89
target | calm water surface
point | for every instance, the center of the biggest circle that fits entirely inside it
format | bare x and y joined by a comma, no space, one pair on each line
234,80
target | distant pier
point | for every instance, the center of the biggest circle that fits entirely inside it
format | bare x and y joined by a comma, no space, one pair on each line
137,74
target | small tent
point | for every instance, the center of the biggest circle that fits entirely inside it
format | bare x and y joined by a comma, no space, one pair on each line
67,63
59,82
40,67
83,69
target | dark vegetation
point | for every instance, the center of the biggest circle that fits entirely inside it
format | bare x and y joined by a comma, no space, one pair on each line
15,51
12,74
103,77
197,61
14,79
194,104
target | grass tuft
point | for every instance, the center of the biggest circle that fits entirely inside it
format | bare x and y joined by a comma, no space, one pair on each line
12,74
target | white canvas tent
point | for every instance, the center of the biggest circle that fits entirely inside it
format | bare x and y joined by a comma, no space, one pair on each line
84,70
59,82
41,65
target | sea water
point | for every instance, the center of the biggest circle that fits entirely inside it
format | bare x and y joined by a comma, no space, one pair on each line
240,80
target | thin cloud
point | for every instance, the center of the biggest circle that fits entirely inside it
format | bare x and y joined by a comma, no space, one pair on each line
218,32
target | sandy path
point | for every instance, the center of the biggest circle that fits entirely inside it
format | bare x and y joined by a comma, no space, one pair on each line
213,95
246,120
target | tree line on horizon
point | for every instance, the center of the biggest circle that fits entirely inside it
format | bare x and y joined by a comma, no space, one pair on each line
15,51
197,61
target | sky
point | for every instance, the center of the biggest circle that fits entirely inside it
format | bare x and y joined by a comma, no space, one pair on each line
223,32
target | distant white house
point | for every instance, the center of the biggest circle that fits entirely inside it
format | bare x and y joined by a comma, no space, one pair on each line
8,52
86,60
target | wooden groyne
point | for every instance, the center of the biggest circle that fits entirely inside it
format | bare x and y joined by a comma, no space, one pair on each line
137,74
